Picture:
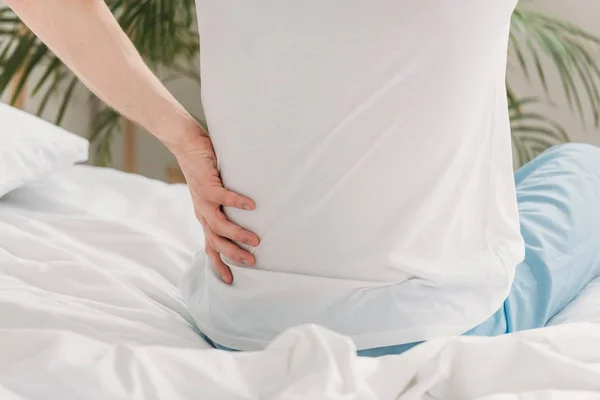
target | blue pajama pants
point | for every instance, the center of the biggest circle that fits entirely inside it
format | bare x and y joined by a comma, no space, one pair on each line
559,208
559,205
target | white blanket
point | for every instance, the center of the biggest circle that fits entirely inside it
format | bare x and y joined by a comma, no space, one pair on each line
89,309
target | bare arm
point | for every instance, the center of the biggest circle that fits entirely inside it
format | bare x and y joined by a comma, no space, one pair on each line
87,37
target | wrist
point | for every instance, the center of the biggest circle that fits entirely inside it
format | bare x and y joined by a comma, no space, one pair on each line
193,142
179,133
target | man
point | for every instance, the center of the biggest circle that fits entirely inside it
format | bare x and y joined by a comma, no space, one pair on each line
374,139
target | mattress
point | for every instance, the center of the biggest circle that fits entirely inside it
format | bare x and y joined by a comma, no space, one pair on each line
90,259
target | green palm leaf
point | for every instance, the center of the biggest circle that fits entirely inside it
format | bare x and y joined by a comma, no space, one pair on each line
163,31
105,126
572,51
532,133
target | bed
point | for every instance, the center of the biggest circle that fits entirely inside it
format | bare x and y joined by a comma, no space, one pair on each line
90,259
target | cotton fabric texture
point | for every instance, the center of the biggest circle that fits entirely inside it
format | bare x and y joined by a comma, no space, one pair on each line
31,149
374,138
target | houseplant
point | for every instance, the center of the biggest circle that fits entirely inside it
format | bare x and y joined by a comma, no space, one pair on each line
538,43
165,34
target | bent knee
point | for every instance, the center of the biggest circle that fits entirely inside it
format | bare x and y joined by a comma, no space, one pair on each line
579,152
571,157
569,161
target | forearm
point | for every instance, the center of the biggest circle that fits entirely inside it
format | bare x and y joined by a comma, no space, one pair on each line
88,39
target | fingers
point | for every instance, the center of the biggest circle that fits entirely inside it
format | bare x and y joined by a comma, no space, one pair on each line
219,223
227,198
229,249
221,268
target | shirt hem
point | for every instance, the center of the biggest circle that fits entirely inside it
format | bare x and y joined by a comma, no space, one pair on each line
395,337
362,341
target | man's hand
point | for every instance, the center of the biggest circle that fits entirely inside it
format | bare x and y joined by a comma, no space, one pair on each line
118,75
198,163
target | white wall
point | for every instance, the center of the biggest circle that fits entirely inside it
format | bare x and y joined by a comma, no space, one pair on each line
153,158
585,14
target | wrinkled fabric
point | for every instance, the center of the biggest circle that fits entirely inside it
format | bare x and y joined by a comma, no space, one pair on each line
89,309
374,138
559,204
305,363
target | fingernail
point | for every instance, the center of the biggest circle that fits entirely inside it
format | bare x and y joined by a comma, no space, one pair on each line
248,242
247,207
245,261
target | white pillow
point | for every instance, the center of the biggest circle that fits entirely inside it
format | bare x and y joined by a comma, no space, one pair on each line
31,148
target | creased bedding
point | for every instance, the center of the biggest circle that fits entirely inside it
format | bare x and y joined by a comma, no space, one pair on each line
89,309
305,363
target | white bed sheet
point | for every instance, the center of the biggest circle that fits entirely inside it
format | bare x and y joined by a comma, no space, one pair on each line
89,309
98,252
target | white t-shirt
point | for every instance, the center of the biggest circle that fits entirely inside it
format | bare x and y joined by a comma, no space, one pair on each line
374,138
